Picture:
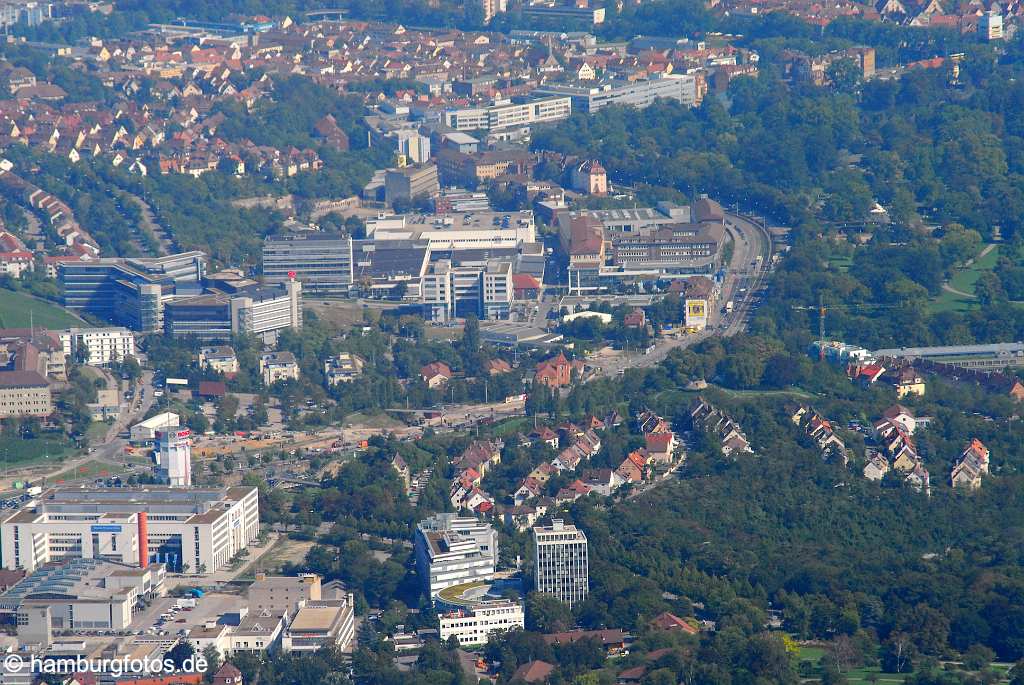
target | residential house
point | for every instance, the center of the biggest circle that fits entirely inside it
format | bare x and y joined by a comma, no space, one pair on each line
572,492
494,367
544,435
404,474
716,423
876,468
820,430
635,319
919,479
602,481
897,413
661,447
520,517
220,359
568,459
906,380
533,672
669,622
436,374
867,374
14,264
343,368
543,472
649,422
633,468
480,455
527,490
972,465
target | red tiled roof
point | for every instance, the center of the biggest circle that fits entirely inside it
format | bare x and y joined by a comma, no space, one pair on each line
525,282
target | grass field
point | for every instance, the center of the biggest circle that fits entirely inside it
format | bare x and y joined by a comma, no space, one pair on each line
858,676
841,263
964,281
90,469
282,552
19,452
517,424
18,310
372,420
96,431
873,675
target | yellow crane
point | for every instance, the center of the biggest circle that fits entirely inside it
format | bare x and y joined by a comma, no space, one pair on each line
822,309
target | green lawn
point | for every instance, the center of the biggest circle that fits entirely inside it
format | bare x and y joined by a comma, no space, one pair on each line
18,452
96,431
840,263
872,675
507,427
18,310
372,419
90,469
963,281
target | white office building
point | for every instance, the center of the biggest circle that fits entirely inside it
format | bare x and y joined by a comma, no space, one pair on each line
505,114
321,623
265,311
321,261
451,550
98,346
82,594
590,98
561,566
469,231
471,612
450,290
174,457
197,529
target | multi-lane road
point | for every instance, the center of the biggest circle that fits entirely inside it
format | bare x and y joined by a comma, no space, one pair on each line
745,276
110,451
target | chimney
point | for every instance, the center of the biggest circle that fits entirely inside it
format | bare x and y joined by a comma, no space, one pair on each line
143,520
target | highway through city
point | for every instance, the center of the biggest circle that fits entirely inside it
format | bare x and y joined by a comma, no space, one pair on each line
743,280
745,276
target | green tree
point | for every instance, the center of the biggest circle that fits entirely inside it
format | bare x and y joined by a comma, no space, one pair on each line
844,75
545,613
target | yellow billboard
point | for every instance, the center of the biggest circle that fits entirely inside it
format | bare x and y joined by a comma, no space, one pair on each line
696,314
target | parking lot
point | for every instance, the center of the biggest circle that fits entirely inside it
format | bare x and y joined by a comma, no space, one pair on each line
161,618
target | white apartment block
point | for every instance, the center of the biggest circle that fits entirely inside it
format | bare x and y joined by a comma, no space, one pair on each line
98,346
197,529
220,359
278,366
451,550
561,563
344,368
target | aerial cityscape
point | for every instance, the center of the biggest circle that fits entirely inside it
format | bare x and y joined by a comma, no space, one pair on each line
504,342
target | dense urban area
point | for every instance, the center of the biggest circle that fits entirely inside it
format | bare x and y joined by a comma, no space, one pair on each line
487,342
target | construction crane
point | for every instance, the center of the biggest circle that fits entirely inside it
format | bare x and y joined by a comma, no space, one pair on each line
822,309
